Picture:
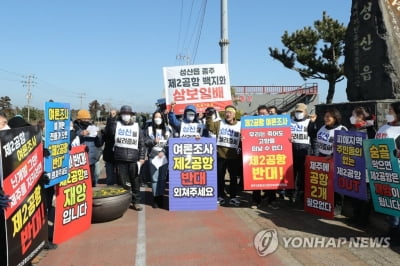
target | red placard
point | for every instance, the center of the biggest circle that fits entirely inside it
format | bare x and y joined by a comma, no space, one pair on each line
74,198
318,191
267,152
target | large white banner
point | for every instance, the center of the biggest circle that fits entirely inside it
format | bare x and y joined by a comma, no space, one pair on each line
199,85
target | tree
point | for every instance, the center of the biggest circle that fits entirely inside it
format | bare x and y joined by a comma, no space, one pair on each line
94,106
5,103
315,53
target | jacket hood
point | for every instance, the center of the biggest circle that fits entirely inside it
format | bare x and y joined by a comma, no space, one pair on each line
190,108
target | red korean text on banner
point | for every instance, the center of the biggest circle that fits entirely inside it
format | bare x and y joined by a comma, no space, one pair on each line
267,152
199,85
74,198
318,191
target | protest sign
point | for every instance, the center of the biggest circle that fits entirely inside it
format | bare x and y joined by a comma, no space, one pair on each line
199,85
349,164
24,222
57,131
383,173
192,174
74,198
318,190
267,152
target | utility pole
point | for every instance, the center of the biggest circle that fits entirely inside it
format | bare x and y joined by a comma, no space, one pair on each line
82,95
224,42
29,83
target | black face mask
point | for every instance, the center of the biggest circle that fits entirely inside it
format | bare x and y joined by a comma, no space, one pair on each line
84,124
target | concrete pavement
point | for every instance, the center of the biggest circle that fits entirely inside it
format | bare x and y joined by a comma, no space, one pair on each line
219,237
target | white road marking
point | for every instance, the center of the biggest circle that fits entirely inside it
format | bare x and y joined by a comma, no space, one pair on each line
141,234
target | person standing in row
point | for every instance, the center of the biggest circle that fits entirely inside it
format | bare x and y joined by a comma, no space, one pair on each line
88,135
108,151
129,149
156,140
3,122
303,130
190,126
228,136
325,139
392,130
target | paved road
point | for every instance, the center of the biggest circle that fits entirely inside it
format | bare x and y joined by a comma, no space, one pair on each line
222,237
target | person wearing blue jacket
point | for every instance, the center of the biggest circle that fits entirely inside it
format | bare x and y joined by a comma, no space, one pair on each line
190,126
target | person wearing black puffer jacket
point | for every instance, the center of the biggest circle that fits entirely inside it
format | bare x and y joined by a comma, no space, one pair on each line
87,133
129,149
108,151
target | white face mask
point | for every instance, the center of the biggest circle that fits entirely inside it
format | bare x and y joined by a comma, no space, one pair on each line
353,120
190,117
299,115
157,121
126,118
390,118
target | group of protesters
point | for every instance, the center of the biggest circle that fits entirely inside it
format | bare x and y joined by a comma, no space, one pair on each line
125,145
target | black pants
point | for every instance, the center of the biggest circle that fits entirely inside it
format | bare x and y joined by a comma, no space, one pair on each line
49,193
300,151
128,178
233,166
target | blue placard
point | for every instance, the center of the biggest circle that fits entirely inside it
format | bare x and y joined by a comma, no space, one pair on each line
383,173
57,138
192,174
269,121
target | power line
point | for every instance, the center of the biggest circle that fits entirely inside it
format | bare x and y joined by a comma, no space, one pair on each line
200,30
29,83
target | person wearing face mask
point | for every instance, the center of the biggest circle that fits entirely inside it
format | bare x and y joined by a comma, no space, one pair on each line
129,149
325,138
362,121
228,152
189,126
86,131
156,141
303,131
3,122
392,130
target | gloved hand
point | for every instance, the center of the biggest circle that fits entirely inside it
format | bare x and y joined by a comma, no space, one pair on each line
44,179
46,152
4,200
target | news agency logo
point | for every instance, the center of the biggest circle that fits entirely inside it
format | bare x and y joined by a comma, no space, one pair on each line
266,242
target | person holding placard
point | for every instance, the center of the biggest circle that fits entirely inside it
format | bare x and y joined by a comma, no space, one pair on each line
228,152
303,132
156,141
190,126
88,135
392,130
325,139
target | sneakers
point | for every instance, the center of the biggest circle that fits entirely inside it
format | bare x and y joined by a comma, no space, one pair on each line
235,202
221,201
50,245
136,207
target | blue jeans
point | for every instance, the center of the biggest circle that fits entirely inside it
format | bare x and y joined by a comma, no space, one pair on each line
111,176
158,179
